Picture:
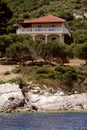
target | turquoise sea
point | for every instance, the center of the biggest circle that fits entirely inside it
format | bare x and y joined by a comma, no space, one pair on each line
43,121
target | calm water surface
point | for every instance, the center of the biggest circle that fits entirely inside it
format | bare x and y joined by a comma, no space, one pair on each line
44,121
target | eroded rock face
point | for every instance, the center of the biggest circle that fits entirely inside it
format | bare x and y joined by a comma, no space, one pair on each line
10,97
11,105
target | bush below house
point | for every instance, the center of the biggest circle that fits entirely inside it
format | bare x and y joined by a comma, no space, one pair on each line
67,78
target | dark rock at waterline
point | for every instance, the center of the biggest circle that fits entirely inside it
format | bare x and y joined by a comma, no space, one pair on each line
12,103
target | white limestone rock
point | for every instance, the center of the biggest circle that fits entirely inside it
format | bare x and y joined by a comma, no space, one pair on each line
75,102
10,96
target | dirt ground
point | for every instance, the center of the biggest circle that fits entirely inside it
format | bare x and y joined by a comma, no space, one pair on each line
76,62
4,69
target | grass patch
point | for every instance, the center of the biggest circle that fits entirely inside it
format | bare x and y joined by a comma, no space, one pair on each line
17,70
14,80
2,82
42,70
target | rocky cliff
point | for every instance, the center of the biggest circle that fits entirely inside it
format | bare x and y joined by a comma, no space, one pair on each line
12,100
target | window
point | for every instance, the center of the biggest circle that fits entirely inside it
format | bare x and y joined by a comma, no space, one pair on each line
39,26
53,38
53,26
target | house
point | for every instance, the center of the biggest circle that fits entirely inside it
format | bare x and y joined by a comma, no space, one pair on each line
47,28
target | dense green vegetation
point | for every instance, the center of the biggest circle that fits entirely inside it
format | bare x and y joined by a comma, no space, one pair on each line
5,16
21,48
25,9
11,12
69,79
35,8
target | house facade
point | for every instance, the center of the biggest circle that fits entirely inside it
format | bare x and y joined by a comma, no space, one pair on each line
47,28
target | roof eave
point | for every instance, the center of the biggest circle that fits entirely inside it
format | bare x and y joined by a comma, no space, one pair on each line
41,22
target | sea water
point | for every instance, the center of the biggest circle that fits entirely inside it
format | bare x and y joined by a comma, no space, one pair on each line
43,121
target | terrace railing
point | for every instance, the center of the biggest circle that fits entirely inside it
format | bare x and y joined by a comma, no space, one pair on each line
42,30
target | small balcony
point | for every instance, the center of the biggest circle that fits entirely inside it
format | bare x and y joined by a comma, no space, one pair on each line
42,30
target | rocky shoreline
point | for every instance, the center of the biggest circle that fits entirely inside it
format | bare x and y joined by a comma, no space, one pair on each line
40,100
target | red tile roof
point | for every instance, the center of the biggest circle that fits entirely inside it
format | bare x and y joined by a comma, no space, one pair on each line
45,19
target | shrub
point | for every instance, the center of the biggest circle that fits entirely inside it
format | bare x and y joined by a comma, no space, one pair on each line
67,15
42,71
68,68
60,69
69,77
7,73
42,76
2,81
66,74
80,51
14,80
59,76
17,70
52,75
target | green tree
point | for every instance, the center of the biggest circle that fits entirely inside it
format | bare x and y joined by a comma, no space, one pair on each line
7,40
58,51
52,50
39,49
5,15
80,36
19,52
67,15
80,51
